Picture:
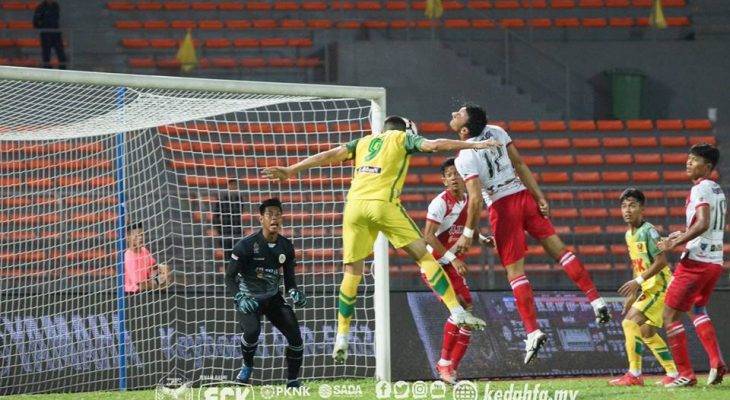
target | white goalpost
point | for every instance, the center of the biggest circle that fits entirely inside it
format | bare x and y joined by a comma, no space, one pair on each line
84,156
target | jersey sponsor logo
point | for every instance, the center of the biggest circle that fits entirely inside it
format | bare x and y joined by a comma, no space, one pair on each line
367,169
716,190
282,258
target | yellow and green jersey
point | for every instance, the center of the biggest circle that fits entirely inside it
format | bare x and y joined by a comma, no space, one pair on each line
381,164
642,251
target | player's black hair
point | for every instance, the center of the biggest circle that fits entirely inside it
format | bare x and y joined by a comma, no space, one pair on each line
394,123
134,226
448,163
272,202
477,119
635,193
707,151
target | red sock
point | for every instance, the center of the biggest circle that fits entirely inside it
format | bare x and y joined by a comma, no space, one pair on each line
578,274
522,290
708,337
677,339
460,348
451,334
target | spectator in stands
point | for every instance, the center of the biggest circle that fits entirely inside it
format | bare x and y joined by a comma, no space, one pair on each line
45,18
227,216
141,270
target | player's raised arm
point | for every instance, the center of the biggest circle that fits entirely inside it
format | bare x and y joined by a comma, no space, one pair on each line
331,156
443,145
525,175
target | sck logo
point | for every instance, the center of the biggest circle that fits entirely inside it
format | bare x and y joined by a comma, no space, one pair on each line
226,391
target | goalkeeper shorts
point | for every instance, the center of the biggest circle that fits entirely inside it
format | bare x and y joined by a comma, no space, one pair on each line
362,221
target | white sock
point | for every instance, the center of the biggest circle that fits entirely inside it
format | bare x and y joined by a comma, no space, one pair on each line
598,303
457,310
673,374
635,373
444,363
534,333
342,337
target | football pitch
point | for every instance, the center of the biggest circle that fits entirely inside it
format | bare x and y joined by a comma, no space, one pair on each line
352,389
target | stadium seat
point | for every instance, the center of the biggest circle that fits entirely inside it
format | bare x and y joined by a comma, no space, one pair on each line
560,160
674,3
582,125
183,24
250,6
697,124
293,24
120,6
554,177
246,42
615,176
348,25
675,176
589,159
565,213
28,42
645,176
273,42
299,42
141,62
452,5
375,24
621,22
457,24
592,249
506,4
149,6
512,23
609,125
639,125
643,141
702,139
401,24
176,5
20,24
642,3
567,22
319,24
560,196
618,159
617,3
253,62
368,5
534,3
587,229
562,3
562,143
669,124
396,5
522,126
648,158
586,143
479,4
678,21
590,3
236,24
264,24
552,126
314,6
534,161
223,62
128,24
594,22
673,141
615,142
482,23
286,6
527,144
540,22
217,43
586,177
593,212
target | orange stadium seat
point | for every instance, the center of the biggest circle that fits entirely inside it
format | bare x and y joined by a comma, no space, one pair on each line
522,126
567,22
286,6
264,23
223,62
615,176
273,42
314,6
615,142
582,125
120,5
594,212
697,124
217,43
642,3
540,22
512,23
319,24
452,5
562,3
348,25
20,24
534,3
253,62
375,24
418,5
702,139
588,229
28,42
176,5
554,177
678,21
678,211
155,24
293,24
639,125
128,24
565,213
368,5
674,3
561,143
648,158
586,177
591,196
534,161
552,126
299,42
669,124
609,125
592,250
401,24
618,159
594,22
560,196
527,144
282,62
506,4
203,6
163,43
149,6
673,141
586,143
617,3
645,176
134,43
643,141
482,23
590,3
210,24
141,62
396,5
589,159
433,127
183,24
457,24
558,160
253,5
621,22
675,176
342,5
479,4
432,179
656,211
238,24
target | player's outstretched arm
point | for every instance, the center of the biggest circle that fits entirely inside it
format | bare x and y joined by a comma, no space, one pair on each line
334,155
474,208
525,175
443,145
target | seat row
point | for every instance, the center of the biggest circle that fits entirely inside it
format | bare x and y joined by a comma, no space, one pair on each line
229,62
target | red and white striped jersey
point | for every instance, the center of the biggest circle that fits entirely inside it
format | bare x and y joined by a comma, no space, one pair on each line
450,213
492,166
708,246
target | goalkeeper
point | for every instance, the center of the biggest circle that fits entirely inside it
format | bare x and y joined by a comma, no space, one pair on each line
373,205
253,279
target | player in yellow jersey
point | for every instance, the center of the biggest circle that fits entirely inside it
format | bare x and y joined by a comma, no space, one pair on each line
373,205
644,294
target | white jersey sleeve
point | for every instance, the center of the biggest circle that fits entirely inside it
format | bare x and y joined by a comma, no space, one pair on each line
436,210
467,164
708,246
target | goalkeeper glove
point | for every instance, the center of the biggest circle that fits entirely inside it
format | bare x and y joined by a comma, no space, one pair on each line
245,304
298,297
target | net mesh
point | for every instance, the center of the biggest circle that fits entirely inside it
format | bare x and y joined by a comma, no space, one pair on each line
77,162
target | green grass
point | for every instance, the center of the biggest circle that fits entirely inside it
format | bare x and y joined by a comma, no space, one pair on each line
588,388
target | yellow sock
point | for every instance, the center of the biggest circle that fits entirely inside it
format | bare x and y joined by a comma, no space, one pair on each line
634,344
438,280
662,353
346,303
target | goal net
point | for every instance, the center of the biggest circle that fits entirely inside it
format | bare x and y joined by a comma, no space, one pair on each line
85,156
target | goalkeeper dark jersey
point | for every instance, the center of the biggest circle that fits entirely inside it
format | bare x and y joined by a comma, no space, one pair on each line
257,266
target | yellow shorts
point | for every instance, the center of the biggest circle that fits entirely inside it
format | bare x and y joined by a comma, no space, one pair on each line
652,306
362,221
